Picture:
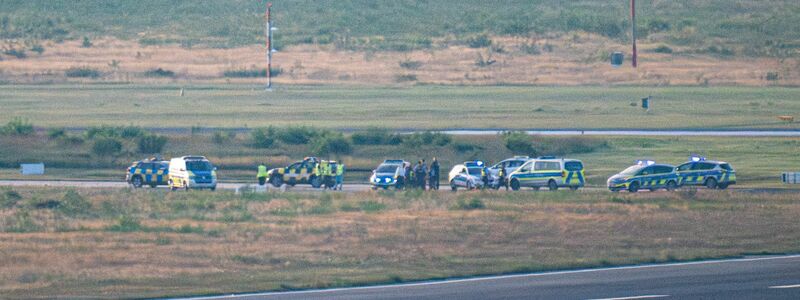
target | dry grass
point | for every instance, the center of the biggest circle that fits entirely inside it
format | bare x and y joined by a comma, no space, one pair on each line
576,59
322,240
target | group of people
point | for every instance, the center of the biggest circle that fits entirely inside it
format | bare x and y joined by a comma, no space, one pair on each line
416,175
332,174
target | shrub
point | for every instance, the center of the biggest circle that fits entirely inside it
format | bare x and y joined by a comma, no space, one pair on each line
126,223
474,203
410,64
663,49
127,132
374,136
480,41
519,143
54,133
251,73
9,198
465,147
332,143
20,54
87,43
405,78
38,49
73,204
151,143
106,146
159,72
262,137
296,135
18,126
222,137
82,72
427,138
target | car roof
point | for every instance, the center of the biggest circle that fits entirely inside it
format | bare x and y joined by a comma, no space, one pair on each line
706,161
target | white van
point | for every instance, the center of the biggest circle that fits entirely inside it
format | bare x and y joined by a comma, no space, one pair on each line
192,172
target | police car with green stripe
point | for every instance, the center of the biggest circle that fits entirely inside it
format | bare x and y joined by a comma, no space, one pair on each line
645,174
152,172
300,172
549,172
701,172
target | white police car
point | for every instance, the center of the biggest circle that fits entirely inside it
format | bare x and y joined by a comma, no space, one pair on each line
391,173
466,175
511,165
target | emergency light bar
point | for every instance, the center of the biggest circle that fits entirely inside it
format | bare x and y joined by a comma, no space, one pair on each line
645,162
696,158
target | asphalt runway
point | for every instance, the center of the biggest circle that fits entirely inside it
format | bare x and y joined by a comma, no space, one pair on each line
776,277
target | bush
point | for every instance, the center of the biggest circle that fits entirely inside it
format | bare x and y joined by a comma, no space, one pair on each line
82,72
427,138
296,135
20,54
127,132
126,224
9,198
87,43
54,133
73,204
159,72
375,136
332,143
519,143
465,147
480,41
474,203
38,49
251,73
18,126
262,137
663,49
151,143
106,146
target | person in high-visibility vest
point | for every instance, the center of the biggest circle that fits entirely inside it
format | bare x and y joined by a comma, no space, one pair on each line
323,171
262,174
339,176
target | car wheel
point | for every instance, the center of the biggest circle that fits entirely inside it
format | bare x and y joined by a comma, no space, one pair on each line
634,187
316,182
137,182
153,185
214,188
469,185
552,185
711,183
277,182
453,186
722,186
574,187
185,186
652,189
672,185
515,185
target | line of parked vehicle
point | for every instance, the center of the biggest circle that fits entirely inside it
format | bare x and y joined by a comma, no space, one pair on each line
196,172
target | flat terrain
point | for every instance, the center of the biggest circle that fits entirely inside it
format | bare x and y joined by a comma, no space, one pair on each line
421,107
112,243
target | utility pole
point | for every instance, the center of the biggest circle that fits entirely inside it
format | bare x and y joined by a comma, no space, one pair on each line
633,32
268,32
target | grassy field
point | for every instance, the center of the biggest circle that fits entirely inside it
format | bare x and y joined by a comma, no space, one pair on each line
400,25
759,161
420,107
132,244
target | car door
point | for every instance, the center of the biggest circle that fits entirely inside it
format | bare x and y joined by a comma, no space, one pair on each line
684,171
462,178
524,174
644,176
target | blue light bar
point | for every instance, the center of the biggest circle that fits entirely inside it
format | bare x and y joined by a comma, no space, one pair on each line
642,162
696,158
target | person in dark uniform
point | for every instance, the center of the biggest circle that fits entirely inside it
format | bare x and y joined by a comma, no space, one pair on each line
502,181
433,178
485,177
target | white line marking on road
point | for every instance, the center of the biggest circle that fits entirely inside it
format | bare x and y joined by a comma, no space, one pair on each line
427,283
634,297
793,286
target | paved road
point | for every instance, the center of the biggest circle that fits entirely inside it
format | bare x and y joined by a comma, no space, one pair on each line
749,278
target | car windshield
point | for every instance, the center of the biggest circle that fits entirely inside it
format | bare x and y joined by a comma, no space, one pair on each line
631,170
475,171
198,165
386,169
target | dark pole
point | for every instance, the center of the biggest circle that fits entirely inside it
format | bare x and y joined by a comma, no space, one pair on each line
269,46
633,32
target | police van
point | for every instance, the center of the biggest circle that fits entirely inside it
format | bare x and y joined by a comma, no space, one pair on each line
192,172
549,172
152,172
300,172
701,172
466,175
645,174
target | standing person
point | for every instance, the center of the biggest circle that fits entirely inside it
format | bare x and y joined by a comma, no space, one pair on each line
434,175
485,177
423,173
502,181
409,176
339,176
323,168
417,171
329,173
262,174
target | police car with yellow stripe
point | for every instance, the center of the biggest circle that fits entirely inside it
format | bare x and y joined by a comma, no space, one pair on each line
300,172
152,172
550,172
701,172
645,174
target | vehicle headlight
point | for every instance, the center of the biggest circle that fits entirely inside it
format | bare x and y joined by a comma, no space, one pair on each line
375,180
387,179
